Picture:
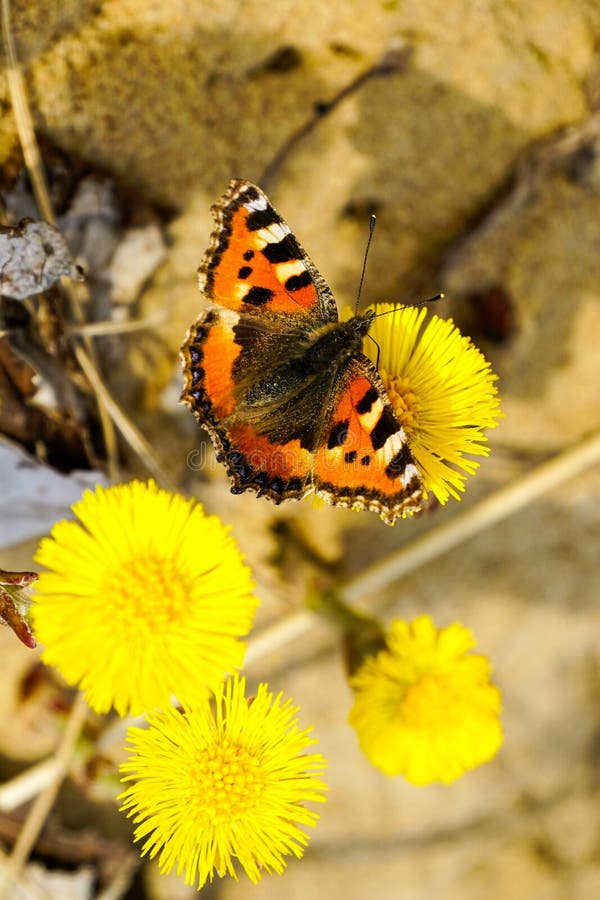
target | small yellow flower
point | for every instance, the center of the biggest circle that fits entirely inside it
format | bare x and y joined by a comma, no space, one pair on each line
145,598
223,782
442,390
424,707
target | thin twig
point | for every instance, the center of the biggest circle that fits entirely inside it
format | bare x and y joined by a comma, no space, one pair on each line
43,803
128,430
98,329
501,504
27,784
23,120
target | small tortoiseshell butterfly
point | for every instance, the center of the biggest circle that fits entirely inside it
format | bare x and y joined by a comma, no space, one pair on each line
289,400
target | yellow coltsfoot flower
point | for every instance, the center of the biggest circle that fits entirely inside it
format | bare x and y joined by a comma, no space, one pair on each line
424,707
442,390
223,782
146,596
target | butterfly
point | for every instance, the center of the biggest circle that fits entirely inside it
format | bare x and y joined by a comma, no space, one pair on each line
291,403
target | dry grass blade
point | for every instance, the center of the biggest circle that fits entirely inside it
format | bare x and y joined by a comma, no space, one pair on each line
130,433
96,329
23,119
43,803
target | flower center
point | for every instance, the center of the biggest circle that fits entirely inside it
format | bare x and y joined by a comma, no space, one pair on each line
228,782
431,704
146,590
404,401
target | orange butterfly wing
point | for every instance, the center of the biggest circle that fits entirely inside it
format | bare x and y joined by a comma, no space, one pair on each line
365,462
252,461
255,263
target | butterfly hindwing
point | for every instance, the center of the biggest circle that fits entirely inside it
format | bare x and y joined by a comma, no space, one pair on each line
364,460
215,342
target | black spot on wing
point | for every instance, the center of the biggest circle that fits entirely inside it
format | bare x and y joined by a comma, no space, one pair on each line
338,434
262,218
237,465
249,192
248,255
258,296
297,282
283,251
363,406
276,484
413,486
386,426
365,460
399,462
350,456
244,272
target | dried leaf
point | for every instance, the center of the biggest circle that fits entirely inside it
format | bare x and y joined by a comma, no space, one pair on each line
33,255
14,602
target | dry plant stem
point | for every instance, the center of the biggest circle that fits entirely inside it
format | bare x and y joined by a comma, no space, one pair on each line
23,787
23,119
275,636
501,504
130,433
43,803
31,155
108,432
96,329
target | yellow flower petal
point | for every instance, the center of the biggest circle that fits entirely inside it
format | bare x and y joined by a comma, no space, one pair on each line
223,782
424,707
145,597
442,390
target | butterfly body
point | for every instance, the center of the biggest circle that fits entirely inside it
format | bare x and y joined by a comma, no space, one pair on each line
282,386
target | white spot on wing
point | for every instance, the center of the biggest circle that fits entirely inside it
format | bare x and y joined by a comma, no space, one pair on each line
370,419
258,203
228,315
410,472
394,443
240,290
285,270
273,234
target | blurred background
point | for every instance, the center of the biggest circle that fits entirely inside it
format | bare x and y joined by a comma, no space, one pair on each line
472,129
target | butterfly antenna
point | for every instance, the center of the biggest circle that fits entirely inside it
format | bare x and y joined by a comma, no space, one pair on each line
429,300
389,311
372,222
